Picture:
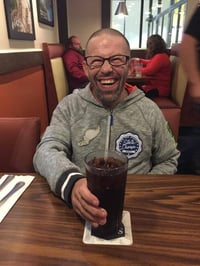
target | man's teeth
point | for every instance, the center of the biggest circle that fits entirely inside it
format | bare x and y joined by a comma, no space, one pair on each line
107,82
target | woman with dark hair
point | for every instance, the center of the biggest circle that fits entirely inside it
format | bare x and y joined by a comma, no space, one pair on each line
155,45
157,67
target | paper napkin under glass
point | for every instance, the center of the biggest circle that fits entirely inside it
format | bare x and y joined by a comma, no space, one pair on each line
124,240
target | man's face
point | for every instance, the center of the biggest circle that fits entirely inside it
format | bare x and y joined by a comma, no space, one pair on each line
107,81
76,44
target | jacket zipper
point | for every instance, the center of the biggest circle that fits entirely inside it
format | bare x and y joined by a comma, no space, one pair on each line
108,131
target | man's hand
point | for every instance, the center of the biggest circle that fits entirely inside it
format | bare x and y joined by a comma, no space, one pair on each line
87,205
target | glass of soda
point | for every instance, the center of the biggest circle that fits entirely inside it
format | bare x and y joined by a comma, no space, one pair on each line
138,68
106,178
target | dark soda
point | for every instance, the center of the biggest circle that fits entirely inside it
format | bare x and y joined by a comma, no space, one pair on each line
106,178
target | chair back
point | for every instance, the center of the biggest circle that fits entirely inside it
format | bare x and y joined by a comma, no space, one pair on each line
59,75
19,137
178,81
56,79
23,91
172,106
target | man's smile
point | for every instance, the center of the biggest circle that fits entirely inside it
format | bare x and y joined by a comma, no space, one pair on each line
107,81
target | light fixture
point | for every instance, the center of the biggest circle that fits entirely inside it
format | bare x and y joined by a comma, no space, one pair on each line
121,9
159,5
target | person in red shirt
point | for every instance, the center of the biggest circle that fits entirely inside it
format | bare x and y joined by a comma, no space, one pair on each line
157,67
73,59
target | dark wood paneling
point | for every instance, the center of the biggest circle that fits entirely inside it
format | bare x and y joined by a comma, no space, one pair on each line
62,21
11,62
140,53
105,13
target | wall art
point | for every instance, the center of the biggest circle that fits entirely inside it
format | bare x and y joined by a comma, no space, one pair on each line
19,19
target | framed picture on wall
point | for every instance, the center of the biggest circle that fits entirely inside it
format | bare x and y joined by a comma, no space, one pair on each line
45,12
19,19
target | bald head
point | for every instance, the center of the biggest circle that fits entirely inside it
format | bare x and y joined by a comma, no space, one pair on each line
112,33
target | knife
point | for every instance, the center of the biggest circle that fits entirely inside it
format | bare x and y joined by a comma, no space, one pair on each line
17,186
8,179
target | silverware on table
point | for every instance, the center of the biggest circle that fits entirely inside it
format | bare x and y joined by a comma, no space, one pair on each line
11,192
8,179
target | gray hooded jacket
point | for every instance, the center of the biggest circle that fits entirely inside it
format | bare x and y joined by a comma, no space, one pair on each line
80,124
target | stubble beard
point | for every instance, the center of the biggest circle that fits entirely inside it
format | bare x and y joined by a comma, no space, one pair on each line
111,101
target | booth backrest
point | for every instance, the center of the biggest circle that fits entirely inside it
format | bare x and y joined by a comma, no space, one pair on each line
22,86
56,78
172,116
19,137
179,85
59,77
178,81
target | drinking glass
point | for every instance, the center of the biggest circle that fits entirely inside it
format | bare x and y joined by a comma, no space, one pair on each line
106,178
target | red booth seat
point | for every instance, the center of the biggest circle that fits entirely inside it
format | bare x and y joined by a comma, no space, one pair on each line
19,137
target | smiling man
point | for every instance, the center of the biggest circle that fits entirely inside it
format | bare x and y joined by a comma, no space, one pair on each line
107,66
106,109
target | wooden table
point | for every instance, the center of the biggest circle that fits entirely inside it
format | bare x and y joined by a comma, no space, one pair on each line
137,81
165,215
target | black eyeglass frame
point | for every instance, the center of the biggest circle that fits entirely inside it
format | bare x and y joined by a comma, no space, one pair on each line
108,59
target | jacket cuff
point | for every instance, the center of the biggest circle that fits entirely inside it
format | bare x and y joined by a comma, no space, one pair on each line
65,184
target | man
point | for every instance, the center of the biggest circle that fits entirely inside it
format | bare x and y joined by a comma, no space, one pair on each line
189,54
73,60
107,106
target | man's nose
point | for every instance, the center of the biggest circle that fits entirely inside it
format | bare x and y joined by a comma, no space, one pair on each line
106,66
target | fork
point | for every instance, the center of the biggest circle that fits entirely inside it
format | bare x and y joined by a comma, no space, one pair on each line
8,179
17,186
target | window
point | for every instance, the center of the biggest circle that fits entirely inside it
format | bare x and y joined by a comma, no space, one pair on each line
147,17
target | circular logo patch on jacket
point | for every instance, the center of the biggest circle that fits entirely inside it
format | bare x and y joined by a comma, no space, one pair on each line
129,144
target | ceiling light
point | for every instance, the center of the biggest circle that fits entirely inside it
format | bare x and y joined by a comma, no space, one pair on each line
121,9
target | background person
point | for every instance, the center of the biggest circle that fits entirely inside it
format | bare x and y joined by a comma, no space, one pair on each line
189,54
106,107
157,67
73,61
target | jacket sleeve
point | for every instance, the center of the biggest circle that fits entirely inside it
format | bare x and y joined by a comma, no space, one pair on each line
154,65
164,151
144,61
52,157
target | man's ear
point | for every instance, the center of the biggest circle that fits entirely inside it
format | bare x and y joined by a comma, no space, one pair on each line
85,68
130,65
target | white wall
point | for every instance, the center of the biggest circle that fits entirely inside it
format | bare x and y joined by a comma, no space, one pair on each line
43,33
84,17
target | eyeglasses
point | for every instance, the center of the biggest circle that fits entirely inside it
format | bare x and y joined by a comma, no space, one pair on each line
98,61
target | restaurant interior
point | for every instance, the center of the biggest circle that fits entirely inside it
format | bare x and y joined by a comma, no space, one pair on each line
32,82
183,119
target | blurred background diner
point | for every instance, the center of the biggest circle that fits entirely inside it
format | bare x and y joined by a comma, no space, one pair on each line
156,66
73,61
